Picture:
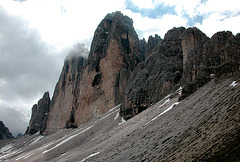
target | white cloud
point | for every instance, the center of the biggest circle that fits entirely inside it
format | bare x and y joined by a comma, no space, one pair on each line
212,6
147,26
186,6
62,23
143,3
218,22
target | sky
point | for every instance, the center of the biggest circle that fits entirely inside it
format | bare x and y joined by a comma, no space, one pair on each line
37,35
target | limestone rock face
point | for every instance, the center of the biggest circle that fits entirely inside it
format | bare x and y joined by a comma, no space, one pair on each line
204,58
154,78
148,46
185,57
121,69
39,115
90,87
65,95
4,132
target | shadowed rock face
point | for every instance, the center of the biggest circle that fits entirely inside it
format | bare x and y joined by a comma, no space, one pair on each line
39,115
99,82
121,69
154,78
204,58
184,57
4,132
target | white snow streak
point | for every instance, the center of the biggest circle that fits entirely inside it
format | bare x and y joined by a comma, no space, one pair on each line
94,154
122,121
6,149
234,83
36,139
24,156
64,141
117,115
164,103
162,113
114,108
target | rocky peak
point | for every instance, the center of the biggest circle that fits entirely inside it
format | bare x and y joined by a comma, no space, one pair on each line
88,88
39,115
4,132
148,46
113,26
154,78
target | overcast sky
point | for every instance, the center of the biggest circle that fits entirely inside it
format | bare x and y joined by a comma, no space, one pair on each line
36,36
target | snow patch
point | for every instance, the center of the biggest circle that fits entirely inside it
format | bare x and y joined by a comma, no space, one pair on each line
164,103
180,90
36,139
169,108
114,108
117,115
234,83
122,121
64,141
7,148
94,154
24,156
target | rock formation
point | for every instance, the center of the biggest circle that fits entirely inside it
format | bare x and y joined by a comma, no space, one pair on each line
4,132
148,46
204,58
88,87
121,69
185,57
39,115
155,77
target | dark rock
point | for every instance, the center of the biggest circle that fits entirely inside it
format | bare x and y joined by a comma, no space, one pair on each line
184,57
19,135
154,78
4,132
204,57
39,115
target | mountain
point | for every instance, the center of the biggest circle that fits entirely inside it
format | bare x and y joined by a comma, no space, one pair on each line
121,69
170,99
202,127
39,115
89,87
4,132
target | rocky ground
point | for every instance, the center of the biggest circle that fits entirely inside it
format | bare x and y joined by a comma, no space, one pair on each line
202,127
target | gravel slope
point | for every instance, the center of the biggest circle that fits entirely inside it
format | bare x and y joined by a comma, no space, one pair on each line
204,126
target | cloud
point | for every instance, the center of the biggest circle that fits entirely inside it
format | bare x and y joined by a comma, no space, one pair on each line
28,68
156,11
146,26
78,50
62,23
15,120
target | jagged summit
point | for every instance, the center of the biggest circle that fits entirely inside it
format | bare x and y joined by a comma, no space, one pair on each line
39,115
4,132
90,87
121,69
180,96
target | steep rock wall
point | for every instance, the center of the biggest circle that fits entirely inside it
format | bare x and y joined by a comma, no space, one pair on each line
4,132
39,115
99,83
154,78
185,57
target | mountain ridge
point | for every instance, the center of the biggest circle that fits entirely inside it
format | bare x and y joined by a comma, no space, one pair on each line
121,69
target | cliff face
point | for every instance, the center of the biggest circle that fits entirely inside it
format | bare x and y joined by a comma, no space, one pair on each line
4,132
121,69
205,58
156,76
185,57
39,115
90,87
